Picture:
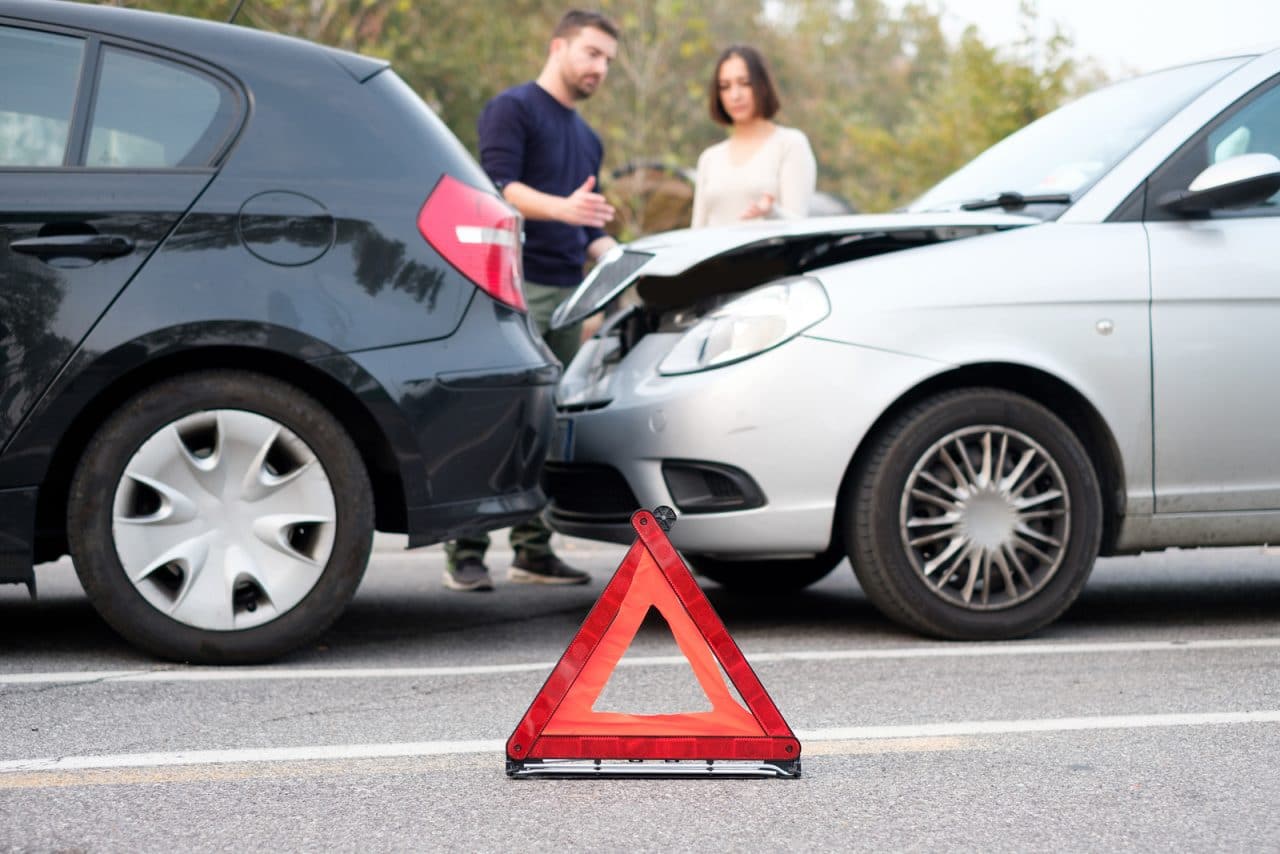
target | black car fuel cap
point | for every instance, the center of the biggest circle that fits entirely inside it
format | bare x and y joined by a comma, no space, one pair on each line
284,228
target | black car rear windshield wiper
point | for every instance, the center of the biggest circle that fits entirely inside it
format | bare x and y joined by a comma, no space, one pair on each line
1012,200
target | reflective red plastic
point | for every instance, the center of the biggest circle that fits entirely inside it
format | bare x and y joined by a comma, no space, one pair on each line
560,723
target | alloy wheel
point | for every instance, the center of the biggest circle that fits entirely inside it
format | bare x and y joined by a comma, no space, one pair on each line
985,517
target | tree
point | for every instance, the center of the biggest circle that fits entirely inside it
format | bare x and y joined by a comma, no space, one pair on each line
890,104
891,107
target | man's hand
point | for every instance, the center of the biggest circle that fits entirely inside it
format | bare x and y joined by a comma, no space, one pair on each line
598,247
582,207
586,207
761,207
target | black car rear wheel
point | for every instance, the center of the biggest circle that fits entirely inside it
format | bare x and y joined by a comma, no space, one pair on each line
220,517
975,514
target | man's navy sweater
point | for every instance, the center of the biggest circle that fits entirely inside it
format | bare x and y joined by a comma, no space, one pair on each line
526,135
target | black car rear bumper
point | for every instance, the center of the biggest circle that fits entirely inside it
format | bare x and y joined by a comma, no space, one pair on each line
469,444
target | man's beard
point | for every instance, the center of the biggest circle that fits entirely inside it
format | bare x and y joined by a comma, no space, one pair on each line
577,89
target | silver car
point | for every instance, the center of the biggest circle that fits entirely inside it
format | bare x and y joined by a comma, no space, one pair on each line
1067,348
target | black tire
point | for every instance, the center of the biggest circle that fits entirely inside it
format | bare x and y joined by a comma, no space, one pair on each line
337,549
766,576
975,601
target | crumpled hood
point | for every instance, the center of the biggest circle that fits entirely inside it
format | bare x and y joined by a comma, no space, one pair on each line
674,253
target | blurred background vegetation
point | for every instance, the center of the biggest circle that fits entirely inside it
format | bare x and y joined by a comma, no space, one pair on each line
890,103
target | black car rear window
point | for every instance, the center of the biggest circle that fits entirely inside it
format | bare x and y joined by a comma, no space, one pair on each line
153,113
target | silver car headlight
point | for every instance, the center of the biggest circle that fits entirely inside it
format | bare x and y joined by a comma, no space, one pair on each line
751,324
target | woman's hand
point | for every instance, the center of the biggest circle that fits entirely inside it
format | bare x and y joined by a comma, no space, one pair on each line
761,207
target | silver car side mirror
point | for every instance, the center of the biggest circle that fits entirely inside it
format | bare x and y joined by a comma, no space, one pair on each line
1237,182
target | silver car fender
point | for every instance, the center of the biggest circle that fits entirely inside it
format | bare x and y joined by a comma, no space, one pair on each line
1071,301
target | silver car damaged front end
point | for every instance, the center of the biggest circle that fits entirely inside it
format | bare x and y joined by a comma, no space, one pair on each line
627,432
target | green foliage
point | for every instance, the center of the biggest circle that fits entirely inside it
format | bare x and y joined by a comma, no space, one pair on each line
967,97
890,104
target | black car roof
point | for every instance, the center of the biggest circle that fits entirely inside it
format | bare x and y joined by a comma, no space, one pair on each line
212,40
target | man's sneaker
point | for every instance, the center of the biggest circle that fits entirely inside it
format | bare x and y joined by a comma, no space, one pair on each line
545,570
469,573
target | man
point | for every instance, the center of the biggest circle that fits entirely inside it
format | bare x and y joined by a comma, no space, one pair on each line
544,158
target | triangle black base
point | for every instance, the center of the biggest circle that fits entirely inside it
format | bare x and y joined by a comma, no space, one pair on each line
653,768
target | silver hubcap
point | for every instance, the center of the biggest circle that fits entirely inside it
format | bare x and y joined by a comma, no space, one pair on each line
224,520
985,517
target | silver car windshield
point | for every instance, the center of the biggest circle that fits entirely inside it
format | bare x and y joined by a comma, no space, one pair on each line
1064,153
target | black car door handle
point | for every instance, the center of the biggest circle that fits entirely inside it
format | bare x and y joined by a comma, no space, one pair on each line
91,246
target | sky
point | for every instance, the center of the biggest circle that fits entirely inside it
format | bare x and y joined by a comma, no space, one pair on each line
1127,37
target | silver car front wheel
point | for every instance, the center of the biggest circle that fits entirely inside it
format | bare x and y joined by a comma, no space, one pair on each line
985,517
973,514
221,517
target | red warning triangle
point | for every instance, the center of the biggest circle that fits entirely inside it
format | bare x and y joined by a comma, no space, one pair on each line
561,724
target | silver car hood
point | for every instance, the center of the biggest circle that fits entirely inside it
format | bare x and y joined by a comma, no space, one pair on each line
672,254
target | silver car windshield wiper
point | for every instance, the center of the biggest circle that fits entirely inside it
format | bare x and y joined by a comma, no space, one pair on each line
1013,200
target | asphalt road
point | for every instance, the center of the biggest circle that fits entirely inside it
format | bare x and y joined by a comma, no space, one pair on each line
1147,719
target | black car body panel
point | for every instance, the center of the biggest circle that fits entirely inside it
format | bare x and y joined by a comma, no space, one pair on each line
294,250
53,302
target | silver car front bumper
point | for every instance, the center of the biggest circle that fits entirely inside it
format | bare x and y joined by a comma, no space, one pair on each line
790,419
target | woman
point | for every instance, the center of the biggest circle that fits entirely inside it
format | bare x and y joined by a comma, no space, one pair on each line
763,169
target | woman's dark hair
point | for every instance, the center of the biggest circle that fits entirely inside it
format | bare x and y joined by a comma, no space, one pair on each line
766,96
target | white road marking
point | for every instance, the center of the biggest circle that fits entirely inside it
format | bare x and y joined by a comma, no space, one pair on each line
927,733
260,754
223,674
924,651
974,728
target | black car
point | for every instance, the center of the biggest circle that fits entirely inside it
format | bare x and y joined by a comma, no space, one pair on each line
256,300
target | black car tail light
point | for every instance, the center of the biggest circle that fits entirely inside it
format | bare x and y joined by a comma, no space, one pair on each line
477,233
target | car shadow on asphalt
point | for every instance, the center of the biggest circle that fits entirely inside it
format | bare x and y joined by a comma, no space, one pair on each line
1176,591
1232,592
65,631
